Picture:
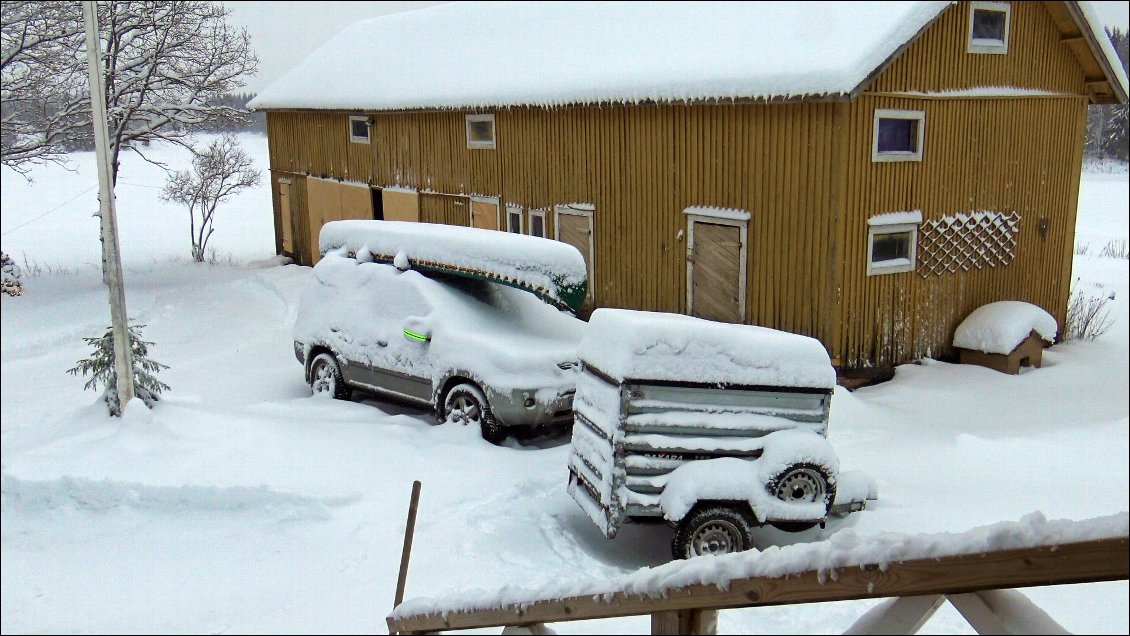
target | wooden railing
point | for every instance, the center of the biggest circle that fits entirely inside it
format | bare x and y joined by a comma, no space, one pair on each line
979,585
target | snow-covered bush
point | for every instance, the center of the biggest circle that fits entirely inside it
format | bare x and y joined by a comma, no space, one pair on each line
1115,249
100,368
1088,317
11,276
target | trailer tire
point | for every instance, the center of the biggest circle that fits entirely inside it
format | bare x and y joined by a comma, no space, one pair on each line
804,483
716,529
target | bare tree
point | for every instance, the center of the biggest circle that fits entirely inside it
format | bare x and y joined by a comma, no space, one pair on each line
217,173
44,101
166,62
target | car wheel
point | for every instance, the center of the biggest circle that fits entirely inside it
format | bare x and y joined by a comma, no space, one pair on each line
325,377
802,483
714,530
466,404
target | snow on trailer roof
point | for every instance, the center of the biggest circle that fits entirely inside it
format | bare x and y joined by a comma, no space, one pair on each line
644,345
551,269
557,53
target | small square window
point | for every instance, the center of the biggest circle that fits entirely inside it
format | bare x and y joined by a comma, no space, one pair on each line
988,27
891,248
480,132
537,223
514,219
898,135
359,129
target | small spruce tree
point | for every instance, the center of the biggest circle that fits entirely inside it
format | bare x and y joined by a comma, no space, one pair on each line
100,367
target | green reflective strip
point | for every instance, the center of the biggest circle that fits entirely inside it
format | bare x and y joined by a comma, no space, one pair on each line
419,337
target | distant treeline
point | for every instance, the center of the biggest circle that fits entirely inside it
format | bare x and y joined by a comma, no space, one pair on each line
1106,125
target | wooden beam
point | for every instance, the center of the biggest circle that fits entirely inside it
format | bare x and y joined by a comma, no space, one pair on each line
690,621
902,615
1004,612
1072,38
1085,562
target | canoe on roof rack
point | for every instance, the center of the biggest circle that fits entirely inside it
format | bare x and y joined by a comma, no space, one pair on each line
552,270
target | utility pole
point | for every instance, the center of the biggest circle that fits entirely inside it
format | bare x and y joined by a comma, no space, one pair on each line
111,253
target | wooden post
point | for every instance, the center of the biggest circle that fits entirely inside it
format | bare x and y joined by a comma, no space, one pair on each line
687,621
406,552
899,615
111,252
1004,612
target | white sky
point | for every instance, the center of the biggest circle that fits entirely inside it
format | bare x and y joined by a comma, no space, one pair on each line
284,33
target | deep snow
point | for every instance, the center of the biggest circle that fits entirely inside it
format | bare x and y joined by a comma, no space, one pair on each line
241,504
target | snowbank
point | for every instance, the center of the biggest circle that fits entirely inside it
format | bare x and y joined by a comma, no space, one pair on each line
999,327
641,345
550,268
843,549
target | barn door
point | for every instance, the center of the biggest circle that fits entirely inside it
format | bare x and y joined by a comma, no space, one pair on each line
286,218
716,272
574,226
484,213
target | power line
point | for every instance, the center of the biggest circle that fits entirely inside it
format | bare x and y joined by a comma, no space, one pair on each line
57,207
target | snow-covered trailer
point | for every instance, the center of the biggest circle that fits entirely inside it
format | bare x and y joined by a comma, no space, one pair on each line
714,428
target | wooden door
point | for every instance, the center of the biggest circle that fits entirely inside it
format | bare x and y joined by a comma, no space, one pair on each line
286,219
716,280
356,202
484,215
576,230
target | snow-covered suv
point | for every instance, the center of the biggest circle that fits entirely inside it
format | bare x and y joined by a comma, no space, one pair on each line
476,351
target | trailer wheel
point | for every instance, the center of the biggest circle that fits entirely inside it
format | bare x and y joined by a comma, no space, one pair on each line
802,483
711,530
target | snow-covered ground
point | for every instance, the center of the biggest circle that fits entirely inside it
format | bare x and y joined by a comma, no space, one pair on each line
241,504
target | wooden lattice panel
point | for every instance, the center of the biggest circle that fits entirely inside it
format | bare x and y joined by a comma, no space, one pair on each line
967,241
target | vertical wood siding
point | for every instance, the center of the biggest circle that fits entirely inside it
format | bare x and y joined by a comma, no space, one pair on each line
937,60
640,167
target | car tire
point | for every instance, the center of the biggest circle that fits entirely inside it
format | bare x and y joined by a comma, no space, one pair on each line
466,404
713,530
806,483
326,378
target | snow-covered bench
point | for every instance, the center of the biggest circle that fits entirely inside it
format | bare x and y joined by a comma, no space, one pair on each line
1005,335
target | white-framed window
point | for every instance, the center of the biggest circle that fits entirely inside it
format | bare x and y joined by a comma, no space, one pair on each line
359,127
514,219
898,135
988,27
537,223
480,132
891,248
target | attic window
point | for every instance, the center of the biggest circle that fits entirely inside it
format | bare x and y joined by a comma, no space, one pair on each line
988,27
480,132
359,129
898,135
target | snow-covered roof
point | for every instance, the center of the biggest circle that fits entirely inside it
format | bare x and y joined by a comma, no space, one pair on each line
492,54
477,54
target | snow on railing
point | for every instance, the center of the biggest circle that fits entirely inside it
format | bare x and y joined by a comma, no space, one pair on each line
974,570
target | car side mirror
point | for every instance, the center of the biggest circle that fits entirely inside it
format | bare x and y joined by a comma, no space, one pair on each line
417,335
